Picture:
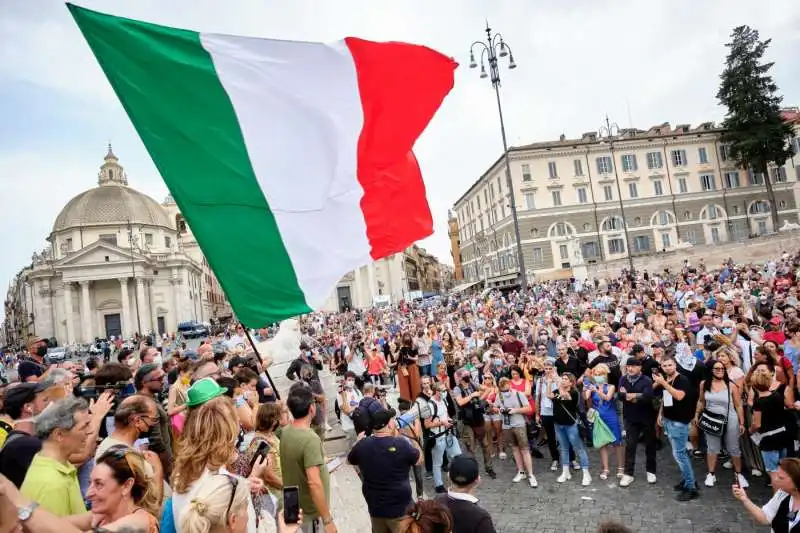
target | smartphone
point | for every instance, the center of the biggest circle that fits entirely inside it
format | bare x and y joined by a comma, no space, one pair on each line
291,504
262,451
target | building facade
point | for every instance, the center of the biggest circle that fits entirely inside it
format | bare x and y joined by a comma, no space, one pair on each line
117,263
668,187
455,245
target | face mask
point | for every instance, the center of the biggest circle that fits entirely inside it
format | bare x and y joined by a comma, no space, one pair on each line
599,379
41,351
158,360
666,338
727,331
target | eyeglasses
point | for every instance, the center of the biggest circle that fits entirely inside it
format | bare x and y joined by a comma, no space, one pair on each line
720,368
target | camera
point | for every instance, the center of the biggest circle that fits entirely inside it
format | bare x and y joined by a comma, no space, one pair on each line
121,390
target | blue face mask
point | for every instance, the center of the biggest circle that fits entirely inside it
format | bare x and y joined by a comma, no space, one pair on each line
727,331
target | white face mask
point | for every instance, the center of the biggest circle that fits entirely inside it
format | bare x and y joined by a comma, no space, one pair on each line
158,360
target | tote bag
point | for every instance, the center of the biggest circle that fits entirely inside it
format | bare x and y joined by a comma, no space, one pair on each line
601,433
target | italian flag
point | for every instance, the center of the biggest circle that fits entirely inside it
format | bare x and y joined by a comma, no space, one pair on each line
291,161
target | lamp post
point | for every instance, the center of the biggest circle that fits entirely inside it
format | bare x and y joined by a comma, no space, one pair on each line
132,241
609,131
495,47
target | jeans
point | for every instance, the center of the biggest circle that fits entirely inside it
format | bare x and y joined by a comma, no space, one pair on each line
568,436
449,444
552,441
426,370
678,435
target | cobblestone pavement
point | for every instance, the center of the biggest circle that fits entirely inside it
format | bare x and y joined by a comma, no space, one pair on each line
569,507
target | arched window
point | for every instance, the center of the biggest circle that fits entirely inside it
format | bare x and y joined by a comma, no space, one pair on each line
662,218
712,212
561,229
613,224
759,207
534,232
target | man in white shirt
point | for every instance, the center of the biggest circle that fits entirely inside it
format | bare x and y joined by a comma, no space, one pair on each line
348,400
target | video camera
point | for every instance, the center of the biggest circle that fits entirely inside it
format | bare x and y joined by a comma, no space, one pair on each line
121,391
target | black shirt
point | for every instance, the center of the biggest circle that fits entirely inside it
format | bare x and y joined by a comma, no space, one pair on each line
468,517
573,366
611,361
17,454
681,410
772,419
384,463
565,412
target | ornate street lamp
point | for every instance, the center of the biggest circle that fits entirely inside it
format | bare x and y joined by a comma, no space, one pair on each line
610,131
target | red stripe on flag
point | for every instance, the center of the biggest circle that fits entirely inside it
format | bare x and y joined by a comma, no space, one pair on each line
401,87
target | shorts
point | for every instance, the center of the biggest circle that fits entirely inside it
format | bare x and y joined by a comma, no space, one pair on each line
772,458
517,437
494,418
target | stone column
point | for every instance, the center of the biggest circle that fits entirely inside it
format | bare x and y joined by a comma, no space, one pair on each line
177,288
373,287
144,313
125,325
358,285
152,299
68,312
86,313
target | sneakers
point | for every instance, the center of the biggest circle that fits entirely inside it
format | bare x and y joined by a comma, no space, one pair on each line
688,495
587,478
742,481
565,476
698,454
711,480
727,465
554,466
755,472
428,475
440,489
575,465
532,482
503,456
626,480
519,477
651,477
491,473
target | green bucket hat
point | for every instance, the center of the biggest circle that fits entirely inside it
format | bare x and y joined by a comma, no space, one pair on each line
202,391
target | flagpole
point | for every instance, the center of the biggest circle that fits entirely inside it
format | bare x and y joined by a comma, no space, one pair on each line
266,372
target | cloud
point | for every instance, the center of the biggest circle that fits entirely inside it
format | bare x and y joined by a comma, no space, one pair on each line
640,62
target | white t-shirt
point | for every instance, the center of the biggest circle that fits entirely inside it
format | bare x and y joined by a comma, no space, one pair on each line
180,501
770,509
353,396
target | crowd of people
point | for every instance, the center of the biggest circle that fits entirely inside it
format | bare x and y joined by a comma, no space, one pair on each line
195,441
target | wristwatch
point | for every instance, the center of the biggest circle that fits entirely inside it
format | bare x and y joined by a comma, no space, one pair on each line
327,521
26,511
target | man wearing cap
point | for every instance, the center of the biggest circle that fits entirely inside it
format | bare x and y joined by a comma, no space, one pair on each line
22,402
384,460
468,516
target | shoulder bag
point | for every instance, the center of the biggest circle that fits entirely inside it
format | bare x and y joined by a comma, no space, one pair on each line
712,423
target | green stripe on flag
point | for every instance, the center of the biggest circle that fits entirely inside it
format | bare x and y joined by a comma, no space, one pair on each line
167,84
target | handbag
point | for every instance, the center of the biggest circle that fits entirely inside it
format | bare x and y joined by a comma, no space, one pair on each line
602,434
712,423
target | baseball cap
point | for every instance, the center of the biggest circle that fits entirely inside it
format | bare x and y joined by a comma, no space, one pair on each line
27,369
380,419
202,391
464,469
633,362
18,395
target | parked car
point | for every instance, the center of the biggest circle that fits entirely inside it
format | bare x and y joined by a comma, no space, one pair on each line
192,329
55,355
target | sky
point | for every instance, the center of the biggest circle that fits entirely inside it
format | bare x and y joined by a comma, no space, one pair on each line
641,62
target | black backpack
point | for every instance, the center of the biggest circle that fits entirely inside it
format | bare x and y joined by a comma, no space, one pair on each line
472,412
362,417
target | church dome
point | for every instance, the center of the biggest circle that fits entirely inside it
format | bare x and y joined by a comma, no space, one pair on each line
111,202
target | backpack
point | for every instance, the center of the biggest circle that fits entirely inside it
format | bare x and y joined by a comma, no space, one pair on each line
362,417
472,412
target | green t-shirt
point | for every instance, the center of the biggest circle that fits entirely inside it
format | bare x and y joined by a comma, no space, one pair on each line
301,449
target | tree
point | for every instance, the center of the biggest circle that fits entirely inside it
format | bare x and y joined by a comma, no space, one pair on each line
753,125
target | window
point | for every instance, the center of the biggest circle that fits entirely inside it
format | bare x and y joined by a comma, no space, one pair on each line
491,191
654,160
629,163
578,165
552,170
167,242
679,158
633,191
556,198
616,246
608,193
612,224
538,257
529,201
534,232
582,196
604,165
665,241
563,252
486,196
707,182
641,243
500,183
761,227
796,145
690,236
591,250
782,204
561,230
682,185
759,208
736,210
756,178
731,180
526,174
658,188
687,215
712,213
715,238
663,218
68,244
725,152
110,238
587,226
478,199
702,154
778,175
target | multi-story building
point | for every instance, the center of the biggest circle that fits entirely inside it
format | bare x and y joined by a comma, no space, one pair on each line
576,198
455,245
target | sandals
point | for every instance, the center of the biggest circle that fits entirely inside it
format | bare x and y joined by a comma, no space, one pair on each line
620,472
604,475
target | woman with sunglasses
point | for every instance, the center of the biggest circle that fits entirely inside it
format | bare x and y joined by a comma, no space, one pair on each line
721,398
219,505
